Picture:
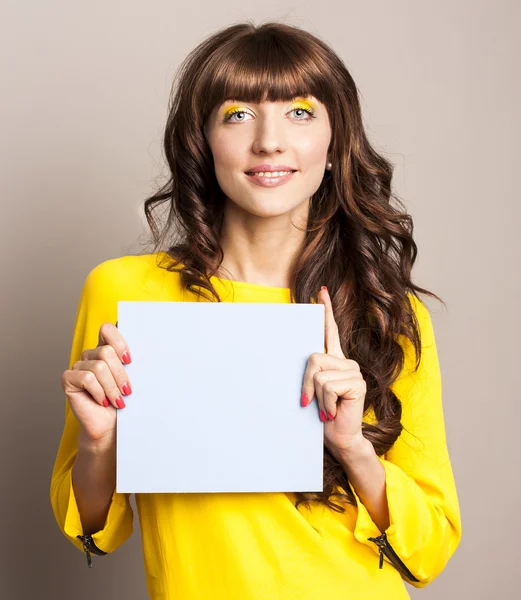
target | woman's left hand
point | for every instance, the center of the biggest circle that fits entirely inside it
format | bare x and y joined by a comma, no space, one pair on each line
339,387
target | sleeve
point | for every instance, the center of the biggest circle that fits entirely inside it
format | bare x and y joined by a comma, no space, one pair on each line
97,305
425,522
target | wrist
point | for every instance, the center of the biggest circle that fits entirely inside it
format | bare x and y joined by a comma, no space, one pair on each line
100,446
356,450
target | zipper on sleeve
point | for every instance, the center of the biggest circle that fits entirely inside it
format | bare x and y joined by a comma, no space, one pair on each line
90,547
385,548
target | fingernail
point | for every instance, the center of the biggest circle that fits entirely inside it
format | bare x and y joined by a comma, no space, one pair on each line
126,358
106,402
304,401
127,390
324,288
322,416
120,402
330,416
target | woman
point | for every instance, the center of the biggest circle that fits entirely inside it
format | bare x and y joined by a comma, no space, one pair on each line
277,196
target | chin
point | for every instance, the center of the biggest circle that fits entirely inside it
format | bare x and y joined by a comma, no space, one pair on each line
267,205
268,209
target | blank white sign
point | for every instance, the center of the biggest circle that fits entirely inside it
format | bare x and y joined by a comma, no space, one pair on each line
215,403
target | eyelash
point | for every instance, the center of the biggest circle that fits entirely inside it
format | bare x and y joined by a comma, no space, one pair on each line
310,112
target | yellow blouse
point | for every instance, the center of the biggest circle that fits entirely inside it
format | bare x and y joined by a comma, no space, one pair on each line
246,546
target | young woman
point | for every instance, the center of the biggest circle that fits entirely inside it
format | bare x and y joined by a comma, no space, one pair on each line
275,195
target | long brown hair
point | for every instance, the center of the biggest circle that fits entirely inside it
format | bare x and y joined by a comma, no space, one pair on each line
357,243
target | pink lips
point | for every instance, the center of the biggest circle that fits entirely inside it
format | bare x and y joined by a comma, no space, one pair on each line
269,168
264,181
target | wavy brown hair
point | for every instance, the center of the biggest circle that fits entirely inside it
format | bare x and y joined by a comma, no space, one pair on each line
357,243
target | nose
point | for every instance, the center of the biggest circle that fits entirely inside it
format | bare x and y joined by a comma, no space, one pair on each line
269,137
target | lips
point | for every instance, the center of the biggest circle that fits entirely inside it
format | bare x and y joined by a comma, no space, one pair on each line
267,168
268,181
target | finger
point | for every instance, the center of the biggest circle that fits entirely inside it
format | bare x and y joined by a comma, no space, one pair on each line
85,380
321,362
112,375
329,385
331,335
109,334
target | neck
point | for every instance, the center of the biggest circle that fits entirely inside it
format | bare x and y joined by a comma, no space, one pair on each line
258,249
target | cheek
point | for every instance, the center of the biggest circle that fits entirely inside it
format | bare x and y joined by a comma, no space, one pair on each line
313,151
224,154
228,150
226,162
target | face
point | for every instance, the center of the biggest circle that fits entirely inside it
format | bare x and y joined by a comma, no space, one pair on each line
271,136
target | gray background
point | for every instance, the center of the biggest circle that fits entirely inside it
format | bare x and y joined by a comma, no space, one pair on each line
84,95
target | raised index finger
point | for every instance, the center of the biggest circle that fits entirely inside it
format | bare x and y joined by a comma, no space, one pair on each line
331,335
109,334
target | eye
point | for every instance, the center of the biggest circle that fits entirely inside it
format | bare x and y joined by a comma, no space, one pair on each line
309,111
233,112
238,111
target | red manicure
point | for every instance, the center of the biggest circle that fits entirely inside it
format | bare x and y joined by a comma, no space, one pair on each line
331,417
127,390
322,416
120,402
126,358
304,401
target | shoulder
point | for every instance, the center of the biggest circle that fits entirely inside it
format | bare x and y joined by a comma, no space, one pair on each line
424,319
135,277
117,269
419,307
416,370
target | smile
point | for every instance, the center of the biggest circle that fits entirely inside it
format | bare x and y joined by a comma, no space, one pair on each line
270,179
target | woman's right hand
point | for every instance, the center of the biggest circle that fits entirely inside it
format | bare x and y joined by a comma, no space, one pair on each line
99,375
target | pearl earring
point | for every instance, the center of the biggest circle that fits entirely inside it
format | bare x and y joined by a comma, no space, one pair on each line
329,166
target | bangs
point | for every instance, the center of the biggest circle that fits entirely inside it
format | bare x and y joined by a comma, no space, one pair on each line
262,69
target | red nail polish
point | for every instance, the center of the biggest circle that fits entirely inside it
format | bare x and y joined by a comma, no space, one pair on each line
106,402
127,390
324,288
330,416
120,402
126,358
322,416
304,401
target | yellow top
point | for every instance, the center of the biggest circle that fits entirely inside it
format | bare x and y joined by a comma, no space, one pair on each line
245,546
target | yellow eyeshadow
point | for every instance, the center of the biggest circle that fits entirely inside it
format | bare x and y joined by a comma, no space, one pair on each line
303,104
231,109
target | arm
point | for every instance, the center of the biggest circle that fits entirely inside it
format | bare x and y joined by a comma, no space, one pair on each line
367,475
413,484
102,508
94,481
